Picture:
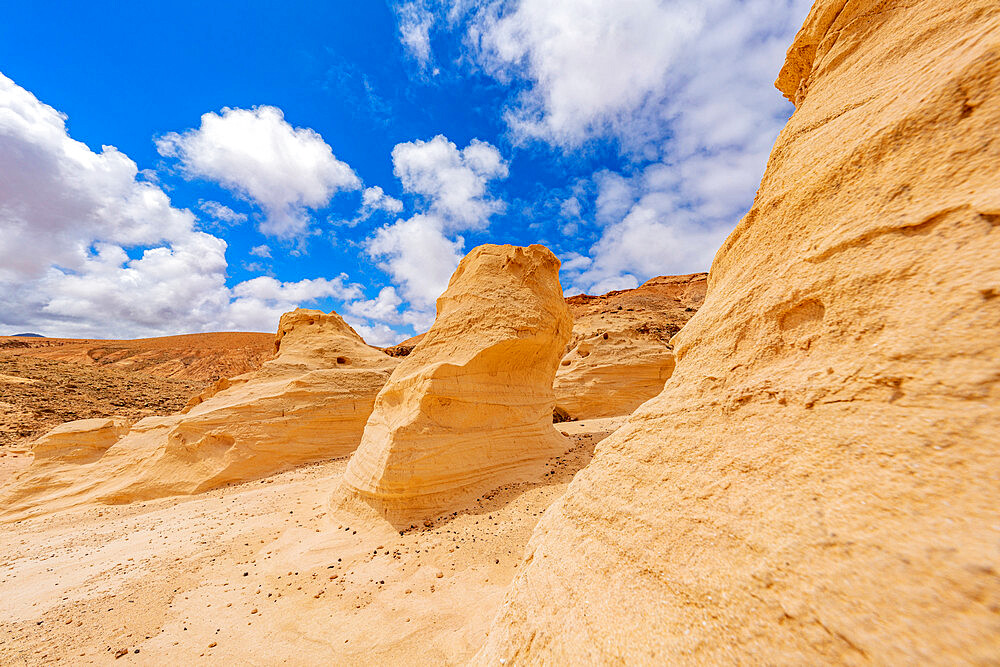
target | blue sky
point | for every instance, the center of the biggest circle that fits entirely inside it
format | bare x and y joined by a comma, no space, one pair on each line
206,166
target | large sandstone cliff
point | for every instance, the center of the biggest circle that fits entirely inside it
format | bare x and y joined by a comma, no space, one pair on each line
819,481
471,408
310,402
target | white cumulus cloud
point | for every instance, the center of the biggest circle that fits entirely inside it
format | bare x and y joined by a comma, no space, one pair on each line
87,250
419,257
682,87
453,181
221,212
57,196
261,251
375,199
590,63
257,154
415,22
421,252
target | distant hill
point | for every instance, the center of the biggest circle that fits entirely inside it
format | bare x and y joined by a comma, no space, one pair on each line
28,335
202,357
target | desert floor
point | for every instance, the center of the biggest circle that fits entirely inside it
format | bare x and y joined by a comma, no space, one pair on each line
266,572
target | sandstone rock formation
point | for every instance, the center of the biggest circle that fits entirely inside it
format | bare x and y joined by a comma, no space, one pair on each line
818,482
620,353
310,402
80,441
471,408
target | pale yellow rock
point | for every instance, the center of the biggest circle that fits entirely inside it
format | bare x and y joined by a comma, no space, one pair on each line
80,441
470,409
819,481
309,403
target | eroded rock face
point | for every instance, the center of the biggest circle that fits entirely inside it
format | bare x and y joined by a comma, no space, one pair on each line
310,402
470,409
818,481
79,441
620,353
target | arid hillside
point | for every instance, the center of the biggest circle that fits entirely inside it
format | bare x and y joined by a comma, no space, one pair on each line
202,357
620,354
47,381
657,309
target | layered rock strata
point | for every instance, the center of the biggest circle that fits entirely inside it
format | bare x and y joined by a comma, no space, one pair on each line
818,481
620,353
470,409
308,403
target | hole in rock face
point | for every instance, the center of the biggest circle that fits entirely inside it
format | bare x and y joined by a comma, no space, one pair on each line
559,415
808,314
566,362
342,360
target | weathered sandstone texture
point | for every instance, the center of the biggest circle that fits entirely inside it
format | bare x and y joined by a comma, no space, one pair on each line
819,481
470,409
620,353
80,441
310,402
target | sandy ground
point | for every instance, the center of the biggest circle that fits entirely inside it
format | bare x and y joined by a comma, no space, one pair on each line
266,573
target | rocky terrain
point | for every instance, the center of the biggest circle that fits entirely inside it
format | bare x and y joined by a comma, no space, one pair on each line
470,409
308,403
817,482
48,381
620,353
37,394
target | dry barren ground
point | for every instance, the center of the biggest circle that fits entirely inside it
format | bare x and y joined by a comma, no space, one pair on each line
47,381
38,394
266,572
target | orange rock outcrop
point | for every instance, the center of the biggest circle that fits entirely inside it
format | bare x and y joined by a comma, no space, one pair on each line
620,353
470,409
819,481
